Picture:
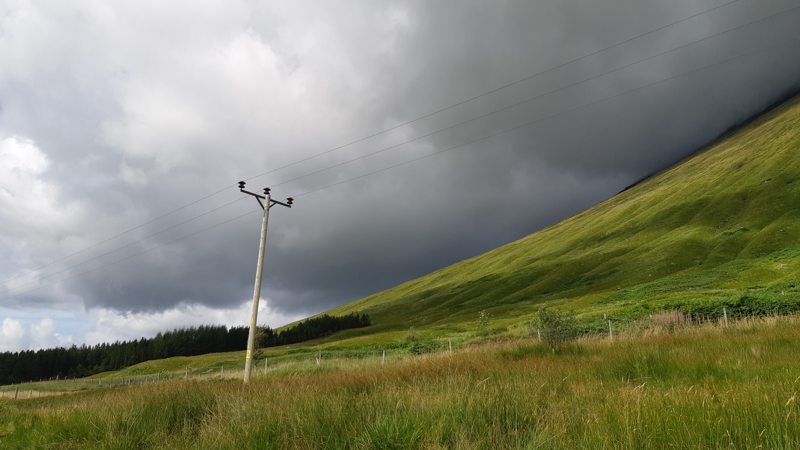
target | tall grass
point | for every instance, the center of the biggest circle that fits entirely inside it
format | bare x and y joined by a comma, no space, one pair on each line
700,387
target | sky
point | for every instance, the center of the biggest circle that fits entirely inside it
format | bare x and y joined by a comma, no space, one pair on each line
413,134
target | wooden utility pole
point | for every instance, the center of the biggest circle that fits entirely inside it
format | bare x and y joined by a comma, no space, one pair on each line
251,336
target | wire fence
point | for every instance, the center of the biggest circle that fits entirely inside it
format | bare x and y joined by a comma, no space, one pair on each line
414,345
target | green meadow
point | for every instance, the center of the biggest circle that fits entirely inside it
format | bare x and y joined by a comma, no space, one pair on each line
706,386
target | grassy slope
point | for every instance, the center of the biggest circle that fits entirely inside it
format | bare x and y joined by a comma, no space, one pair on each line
721,225
708,387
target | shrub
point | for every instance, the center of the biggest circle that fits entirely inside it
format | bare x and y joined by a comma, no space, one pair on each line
483,320
420,347
557,328
416,345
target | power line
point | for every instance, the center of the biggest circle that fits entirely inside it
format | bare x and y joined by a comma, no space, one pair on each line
443,129
392,128
535,97
122,233
492,91
171,227
147,250
430,155
527,124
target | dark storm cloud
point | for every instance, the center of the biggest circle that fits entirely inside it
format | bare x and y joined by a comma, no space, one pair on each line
164,112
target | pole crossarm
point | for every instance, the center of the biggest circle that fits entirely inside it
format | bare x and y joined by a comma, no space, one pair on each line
272,202
269,202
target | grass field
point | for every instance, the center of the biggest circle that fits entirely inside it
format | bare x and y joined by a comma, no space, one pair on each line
698,387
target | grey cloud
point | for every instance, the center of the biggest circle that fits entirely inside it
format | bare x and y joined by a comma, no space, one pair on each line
196,102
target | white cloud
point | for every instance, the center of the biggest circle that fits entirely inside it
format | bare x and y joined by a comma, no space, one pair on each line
43,334
31,210
28,199
36,335
21,186
13,335
110,325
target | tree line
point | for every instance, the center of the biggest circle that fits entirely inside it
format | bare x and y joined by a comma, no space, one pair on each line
313,328
85,360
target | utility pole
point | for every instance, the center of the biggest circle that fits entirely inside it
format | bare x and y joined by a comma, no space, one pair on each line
267,203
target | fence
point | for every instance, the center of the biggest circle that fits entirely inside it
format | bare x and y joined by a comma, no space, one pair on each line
607,327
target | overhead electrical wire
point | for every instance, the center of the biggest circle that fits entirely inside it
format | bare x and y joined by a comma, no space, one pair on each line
450,127
130,244
492,91
535,97
793,41
470,120
152,248
389,129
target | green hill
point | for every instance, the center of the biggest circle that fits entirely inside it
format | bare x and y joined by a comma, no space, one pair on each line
721,228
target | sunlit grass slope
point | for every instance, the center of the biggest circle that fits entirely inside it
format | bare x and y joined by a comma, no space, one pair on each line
722,227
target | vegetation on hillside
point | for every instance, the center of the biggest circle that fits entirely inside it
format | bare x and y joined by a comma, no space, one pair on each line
663,387
87,360
557,329
16,367
719,230
313,328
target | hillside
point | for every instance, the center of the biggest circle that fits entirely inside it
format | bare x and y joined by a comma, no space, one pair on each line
719,228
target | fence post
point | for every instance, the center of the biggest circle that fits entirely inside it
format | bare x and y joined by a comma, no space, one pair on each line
539,333
450,344
265,365
383,358
16,392
319,356
610,330
725,315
